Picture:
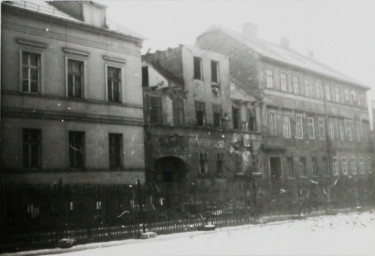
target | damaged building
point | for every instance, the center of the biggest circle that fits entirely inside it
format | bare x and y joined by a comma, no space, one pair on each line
200,126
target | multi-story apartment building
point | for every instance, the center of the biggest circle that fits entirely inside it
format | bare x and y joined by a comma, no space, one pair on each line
71,95
315,122
194,133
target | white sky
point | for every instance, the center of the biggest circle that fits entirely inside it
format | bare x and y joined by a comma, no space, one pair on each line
340,33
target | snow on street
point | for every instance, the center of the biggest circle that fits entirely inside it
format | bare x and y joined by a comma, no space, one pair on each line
341,234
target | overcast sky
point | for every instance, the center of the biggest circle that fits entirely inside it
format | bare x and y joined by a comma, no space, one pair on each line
340,33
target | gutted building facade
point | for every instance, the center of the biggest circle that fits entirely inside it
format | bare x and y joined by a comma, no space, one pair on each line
195,131
315,122
71,96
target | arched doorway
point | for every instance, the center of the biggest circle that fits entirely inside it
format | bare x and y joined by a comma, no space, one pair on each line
170,169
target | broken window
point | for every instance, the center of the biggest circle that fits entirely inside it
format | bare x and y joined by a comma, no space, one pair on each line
155,110
31,148
236,117
217,115
203,162
30,72
77,149
215,75
200,113
289,162
178,112
220,163
198,68
75,78
113,84
115,150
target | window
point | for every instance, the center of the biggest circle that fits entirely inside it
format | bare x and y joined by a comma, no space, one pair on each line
283,81
178,112
269,78
310,127
314,166
349,132
155,110
251,124
361,166
328,92
331,129
299,127
200,113
203,162
30,72
337,92
296,84
344,166
272,123
115,150
307,88
286,126
220,163
198,68
75,78
302,161
325,164
354,97
145,81
217,115
312,90
358,131
335,166
342,134
322,129
32,148
77,149
319,93
354,166
289,163
236,117
215,74
346,95
113,84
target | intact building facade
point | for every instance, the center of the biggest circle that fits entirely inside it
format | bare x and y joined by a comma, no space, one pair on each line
71,96
193,132
315,122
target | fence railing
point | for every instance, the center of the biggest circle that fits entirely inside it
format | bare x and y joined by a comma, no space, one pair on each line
35,216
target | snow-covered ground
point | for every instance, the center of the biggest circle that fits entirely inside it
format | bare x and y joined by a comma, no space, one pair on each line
341,234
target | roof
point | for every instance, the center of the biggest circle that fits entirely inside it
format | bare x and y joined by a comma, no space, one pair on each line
287,56
45,8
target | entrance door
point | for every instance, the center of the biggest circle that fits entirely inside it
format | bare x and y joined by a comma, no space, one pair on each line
275,167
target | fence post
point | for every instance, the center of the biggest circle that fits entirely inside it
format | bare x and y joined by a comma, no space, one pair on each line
142,219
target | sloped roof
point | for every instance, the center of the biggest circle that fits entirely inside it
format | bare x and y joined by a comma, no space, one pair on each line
45,8
287,56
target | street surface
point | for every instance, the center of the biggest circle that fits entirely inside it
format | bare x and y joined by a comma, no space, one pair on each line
341,234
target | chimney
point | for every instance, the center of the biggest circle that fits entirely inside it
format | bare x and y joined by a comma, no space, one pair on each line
250,32
284,42
311,53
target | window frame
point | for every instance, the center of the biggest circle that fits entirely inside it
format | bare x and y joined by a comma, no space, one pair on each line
273,131
203,158
299,126
112,147
200,106
327,89
217,64
39,70
307,88
200,75
318,86
269,78
84,60
219,159
178,112
322,128
331,129
159,116
217,110
290,166
314,166
335,166
238,123
29,143
311,125
344,165
83,144
296,84
353,166
118,65
283,81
